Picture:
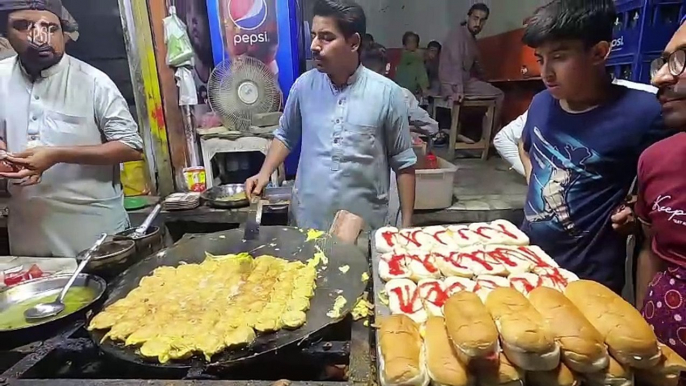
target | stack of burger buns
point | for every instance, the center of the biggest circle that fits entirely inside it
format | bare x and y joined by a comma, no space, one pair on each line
422,267
585,335
526,339
402,358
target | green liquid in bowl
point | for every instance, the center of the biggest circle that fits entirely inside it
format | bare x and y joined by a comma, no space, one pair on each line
13,317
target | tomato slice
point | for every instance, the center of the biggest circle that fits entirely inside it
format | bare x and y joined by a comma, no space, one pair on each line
33,273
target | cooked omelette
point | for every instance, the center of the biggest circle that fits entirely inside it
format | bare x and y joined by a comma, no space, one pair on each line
206,308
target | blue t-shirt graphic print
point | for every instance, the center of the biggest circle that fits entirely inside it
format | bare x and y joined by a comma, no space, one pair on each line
582,168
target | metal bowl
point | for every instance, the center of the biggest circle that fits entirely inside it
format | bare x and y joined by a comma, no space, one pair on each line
112,258
39,288
110,253
214,195
146,245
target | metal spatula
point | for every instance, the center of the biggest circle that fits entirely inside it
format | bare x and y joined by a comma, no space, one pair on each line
252,224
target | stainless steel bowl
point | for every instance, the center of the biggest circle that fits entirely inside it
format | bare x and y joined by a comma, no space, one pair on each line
47,286
214,195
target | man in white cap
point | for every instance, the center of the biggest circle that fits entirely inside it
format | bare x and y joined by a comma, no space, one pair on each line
67,128
7,51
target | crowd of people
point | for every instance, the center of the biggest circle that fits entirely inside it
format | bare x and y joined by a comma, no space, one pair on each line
451,73
581,145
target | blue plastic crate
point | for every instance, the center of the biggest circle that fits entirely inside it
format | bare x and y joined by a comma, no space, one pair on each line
635,68
628,26
643,66
662,21
645,26
623,67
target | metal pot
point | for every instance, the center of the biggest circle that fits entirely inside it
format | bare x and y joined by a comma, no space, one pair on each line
112,258
145,246
39,288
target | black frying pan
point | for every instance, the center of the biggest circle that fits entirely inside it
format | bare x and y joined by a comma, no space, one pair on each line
285,242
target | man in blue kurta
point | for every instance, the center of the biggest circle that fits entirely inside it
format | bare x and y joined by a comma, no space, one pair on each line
354,128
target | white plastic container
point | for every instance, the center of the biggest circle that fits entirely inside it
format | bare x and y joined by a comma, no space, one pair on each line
434,187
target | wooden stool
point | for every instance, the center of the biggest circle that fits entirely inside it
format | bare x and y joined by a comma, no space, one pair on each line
484,143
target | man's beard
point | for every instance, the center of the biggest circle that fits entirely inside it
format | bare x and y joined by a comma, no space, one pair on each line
34,58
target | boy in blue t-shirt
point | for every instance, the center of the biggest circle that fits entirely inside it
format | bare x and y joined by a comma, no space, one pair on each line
581,141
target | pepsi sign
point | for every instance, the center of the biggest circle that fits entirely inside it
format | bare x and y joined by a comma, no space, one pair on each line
617,44
249,15
267,30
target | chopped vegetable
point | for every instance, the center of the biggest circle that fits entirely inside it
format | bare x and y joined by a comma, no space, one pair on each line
13,278
365,276
344,269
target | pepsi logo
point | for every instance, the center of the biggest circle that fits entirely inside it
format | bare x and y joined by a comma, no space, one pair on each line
248,14
617,43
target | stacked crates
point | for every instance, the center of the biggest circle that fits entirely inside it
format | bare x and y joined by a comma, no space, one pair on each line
642,30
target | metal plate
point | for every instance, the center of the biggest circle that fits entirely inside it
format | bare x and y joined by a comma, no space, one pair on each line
285,242
44,287
213,195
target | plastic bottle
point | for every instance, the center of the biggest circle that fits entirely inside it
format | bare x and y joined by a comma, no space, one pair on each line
431,161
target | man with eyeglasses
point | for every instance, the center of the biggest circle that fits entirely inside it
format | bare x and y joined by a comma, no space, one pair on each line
661,205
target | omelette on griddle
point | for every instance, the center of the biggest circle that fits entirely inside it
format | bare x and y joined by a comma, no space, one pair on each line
209,307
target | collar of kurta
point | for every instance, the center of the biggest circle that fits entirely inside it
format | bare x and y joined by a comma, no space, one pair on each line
351,80
48,72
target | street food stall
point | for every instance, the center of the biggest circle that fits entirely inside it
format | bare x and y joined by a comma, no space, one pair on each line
283,302
444,304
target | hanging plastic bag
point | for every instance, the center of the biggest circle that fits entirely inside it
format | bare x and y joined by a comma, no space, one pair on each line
179,49
188,95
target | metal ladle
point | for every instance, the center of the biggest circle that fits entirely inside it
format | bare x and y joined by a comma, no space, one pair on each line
142,230
46,310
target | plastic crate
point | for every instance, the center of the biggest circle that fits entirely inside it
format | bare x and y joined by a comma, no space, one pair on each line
626,38
662,21
645,26
635,69
643,68
623,67
434,187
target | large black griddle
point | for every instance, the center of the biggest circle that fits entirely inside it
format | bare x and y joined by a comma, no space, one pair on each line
285,242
